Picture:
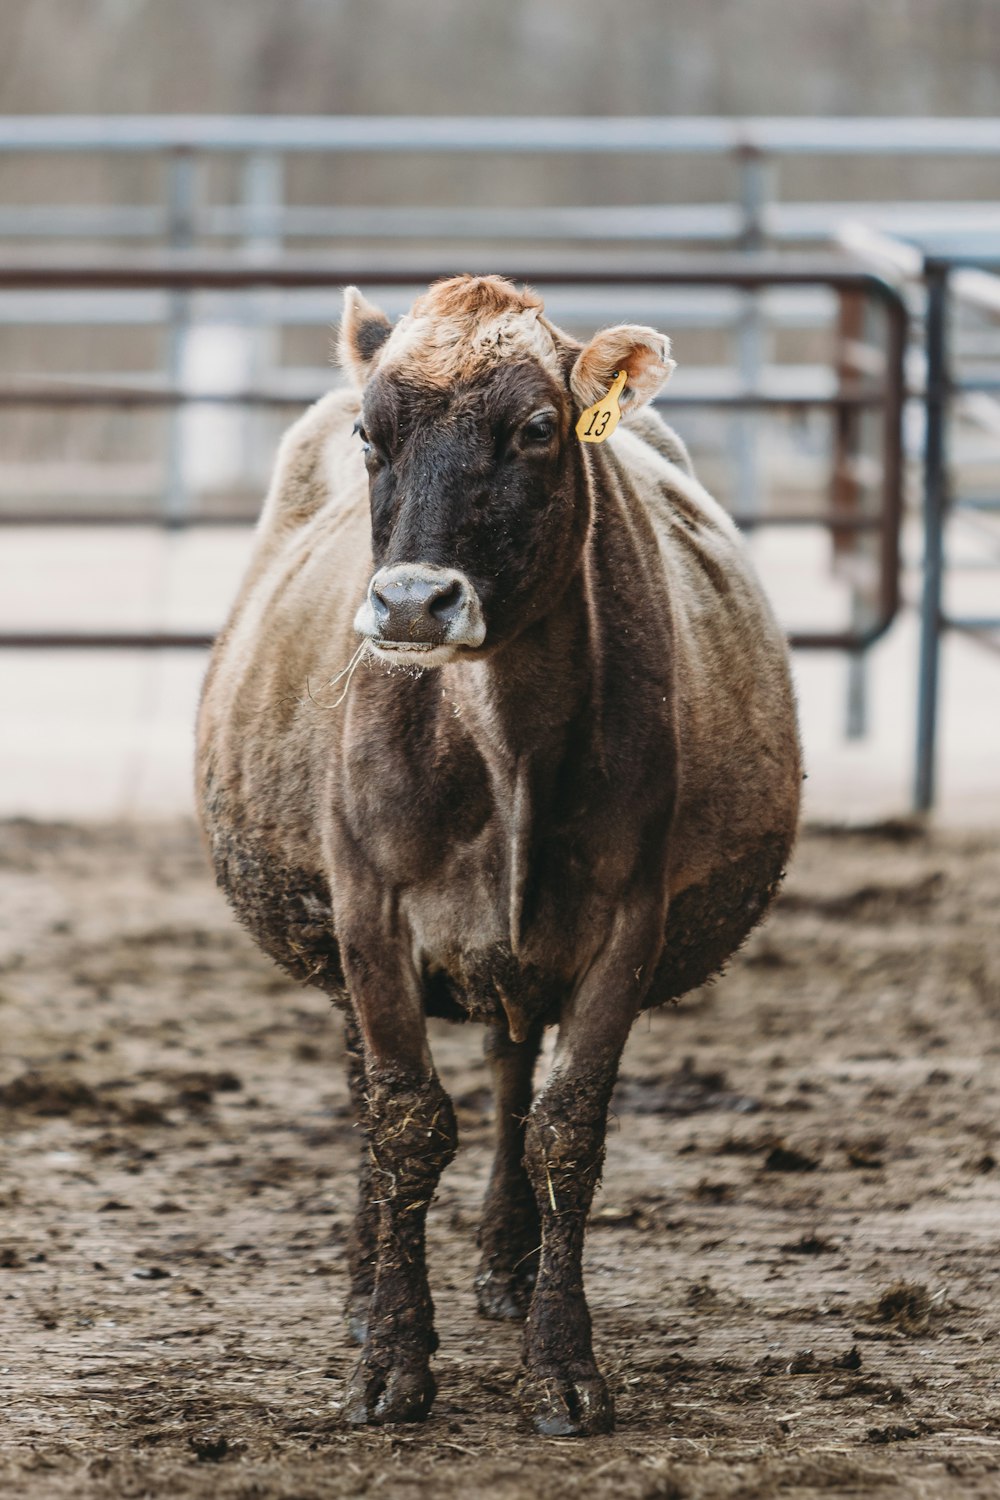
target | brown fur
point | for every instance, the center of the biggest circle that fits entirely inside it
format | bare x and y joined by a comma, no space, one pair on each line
581,818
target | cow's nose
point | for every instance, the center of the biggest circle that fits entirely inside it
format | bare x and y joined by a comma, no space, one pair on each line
415,603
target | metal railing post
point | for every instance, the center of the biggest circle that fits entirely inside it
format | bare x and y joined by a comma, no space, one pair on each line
756,184
935,515
263,200
181,184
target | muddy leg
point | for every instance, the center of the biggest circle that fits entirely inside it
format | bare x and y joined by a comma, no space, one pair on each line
363,1239
510,1232
562,1392
411,1137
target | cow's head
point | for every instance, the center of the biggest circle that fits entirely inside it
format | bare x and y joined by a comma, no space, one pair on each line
479,499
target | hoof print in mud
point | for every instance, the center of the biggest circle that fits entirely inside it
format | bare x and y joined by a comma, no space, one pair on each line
374,1396
563,1405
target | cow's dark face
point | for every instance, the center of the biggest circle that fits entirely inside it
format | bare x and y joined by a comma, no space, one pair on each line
478,509
479,496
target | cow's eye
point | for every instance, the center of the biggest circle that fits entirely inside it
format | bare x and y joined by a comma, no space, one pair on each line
539,429
362,434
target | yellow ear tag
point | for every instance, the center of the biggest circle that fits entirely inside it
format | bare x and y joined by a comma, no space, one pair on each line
599,421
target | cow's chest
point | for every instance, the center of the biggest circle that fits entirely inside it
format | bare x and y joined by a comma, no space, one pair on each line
493,895
492,928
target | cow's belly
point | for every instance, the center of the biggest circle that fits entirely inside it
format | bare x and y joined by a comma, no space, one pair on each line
459,930
707,921
283,900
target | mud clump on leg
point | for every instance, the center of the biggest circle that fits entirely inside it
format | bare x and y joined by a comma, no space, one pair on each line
412,1138
562,1393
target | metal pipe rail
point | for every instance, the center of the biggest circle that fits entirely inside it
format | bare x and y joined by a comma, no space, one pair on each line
941,272
519,134
748,273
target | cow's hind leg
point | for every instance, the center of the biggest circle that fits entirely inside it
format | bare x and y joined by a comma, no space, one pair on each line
362,1243
510,1232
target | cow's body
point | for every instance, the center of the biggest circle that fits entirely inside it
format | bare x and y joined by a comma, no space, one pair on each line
574,823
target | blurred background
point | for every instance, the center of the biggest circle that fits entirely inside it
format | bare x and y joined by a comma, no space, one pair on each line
738,174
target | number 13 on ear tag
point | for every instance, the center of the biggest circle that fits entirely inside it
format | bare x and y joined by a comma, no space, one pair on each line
599,421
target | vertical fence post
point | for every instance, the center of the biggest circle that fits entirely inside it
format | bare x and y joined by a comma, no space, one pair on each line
181,184
756,184
846,499
263,204
935,515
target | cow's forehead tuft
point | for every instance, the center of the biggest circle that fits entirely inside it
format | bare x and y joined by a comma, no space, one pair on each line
460,327
475,296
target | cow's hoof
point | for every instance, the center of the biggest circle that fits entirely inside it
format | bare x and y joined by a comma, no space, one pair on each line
403,1393
504,1296
558,1404
356,1313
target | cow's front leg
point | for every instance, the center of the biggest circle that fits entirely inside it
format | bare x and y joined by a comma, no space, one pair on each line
562,1392
509,1232
362,1242
411,1137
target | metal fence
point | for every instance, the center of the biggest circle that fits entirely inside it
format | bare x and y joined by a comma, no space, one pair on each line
258,224
873,386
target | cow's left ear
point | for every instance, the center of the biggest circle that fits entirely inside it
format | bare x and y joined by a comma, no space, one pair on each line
641,352
364,328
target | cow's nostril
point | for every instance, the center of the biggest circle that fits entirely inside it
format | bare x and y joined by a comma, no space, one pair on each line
443,605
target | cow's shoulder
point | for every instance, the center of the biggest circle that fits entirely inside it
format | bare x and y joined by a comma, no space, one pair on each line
650,426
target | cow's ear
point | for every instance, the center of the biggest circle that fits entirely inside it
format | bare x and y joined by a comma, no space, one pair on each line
641,352
363,330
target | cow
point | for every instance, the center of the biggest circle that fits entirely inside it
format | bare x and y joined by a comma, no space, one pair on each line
499,728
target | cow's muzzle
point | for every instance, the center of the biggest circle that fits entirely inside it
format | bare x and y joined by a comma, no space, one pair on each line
413,610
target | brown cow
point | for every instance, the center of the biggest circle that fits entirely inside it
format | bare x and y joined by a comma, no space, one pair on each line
501,729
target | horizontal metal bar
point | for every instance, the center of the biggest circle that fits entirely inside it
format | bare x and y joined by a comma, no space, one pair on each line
191,272
82,221
714,222
157,640
987,386
961,259
970,622
298,307
700,134
830,521
94,640
113,396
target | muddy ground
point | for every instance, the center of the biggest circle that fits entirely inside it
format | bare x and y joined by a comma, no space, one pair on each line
792,1264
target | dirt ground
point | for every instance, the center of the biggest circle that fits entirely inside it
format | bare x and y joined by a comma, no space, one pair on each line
792,1265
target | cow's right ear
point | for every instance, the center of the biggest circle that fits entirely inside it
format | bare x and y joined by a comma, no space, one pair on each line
364,328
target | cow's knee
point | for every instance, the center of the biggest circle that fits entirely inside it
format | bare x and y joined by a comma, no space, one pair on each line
564,1143
412,1137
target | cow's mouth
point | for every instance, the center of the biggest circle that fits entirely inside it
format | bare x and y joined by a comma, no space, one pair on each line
413,653
403,645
